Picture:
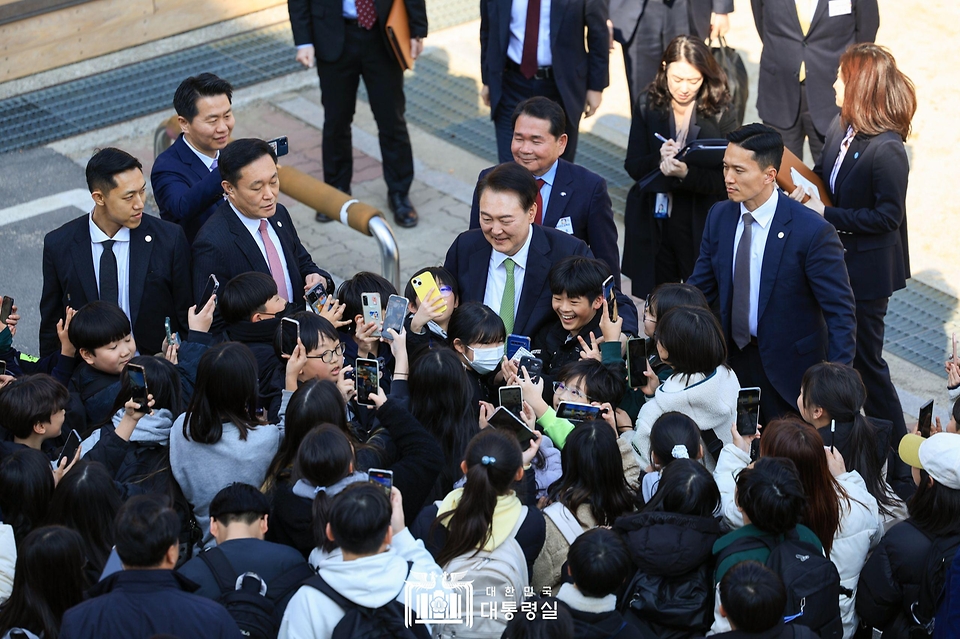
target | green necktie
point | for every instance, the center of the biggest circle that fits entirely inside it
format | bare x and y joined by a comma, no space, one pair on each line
507,301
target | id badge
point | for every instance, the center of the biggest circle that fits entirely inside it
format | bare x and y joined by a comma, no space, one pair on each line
661,208
839,8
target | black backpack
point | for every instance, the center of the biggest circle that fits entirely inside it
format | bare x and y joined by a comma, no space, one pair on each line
247,598
359,622
810,579
920,614
670,606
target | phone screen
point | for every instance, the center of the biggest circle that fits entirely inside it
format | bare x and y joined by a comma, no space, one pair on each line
610,294
5,309
502,418
382,478
315,296
213,285
577,412
533,366
637,361
926,419
748,411
395,315
70,447
511,398
290,333
367,377
516,342
138,384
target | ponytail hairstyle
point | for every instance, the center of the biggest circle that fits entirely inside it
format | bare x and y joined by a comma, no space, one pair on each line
686,488
800,442
839,391
593,474
226,391
325,457
493,459
673,436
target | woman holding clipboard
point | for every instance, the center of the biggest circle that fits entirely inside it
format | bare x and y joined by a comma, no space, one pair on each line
688,100
864,168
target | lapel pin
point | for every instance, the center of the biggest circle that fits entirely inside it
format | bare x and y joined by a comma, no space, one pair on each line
563,194
148,239
856,155
780,235
280,224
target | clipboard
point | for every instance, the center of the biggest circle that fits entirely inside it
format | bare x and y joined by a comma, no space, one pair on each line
785,182
705,154
398,34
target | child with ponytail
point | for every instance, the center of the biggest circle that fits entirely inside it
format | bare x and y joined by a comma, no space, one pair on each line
673,436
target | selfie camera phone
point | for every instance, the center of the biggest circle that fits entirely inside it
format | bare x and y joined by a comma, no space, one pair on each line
290,335
511,398
70,447
926,419
636,361
315,297
577,412
395,315
534,367
516,342
382,478
367,377
423,284
213,285
279,145
138,385
6,308
748,411
372,310
504,419
173,339
610,294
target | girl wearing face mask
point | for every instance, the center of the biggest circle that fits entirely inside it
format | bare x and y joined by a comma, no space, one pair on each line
477,334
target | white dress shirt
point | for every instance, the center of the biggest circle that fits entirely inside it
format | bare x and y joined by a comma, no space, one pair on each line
762,217
206,159
121,249
518,23
253,225
497,275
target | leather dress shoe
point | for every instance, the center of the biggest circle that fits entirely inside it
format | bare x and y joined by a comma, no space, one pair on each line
323,219
403,211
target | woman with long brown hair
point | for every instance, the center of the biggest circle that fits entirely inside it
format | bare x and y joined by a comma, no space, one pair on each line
688,100
864,167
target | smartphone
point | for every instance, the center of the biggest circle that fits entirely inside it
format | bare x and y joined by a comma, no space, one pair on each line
395,315
372,310
70,447
172,338
636,361
578,412
213,285
6,307
503,418
534,366
290,334
926,419
610,294
382,478
516,342
138,385
280,145
511,398
422,284
748,411
315,297
367,376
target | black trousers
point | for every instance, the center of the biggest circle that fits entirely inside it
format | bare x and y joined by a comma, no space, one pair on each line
748,366
793,136
516,89
364,55
659,24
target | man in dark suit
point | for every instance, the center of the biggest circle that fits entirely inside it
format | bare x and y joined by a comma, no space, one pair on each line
645,28
185,178
506,262
117,254
525,52
571,198
776,271
251,231
347,39
802,43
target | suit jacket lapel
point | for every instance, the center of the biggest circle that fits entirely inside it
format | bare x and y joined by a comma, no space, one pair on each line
557,9
504,24
83,261
534,279
857,147
772,252
562,183
818,15
479,263
245,242
281,226
140,250
190,158
728,232
694,131
829,158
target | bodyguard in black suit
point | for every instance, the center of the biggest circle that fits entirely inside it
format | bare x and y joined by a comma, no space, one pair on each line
802,43
552,61
347,39
571,199
251,231
142,263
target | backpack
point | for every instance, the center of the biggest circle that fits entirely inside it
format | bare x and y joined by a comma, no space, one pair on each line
810,579
496,571
920,613
564,520
670,606
359,622
246,596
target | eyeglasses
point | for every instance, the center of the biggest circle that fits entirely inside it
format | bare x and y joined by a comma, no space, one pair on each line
329,357
446,290
559,387
646,306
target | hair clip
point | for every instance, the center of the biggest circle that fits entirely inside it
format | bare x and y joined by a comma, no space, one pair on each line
679,452
486,460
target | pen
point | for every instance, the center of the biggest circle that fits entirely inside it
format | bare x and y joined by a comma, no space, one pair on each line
833,430
660,137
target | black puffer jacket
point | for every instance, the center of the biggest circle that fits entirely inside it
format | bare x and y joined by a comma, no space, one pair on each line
671,595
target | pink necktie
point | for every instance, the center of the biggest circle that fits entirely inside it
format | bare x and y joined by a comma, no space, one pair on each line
273,259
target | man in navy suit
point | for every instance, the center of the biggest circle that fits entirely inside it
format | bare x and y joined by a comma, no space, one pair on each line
185,177
785,298
526,51
117,254
511,253
571,199
251,231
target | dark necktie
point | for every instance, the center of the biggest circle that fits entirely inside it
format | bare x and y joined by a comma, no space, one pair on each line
366,14
109,285
531,36
740,317
539,218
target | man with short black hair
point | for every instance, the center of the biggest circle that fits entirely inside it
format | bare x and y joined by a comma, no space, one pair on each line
118,254
147,597
571,198
185,179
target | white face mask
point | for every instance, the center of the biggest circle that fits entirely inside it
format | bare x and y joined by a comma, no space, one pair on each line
485,360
